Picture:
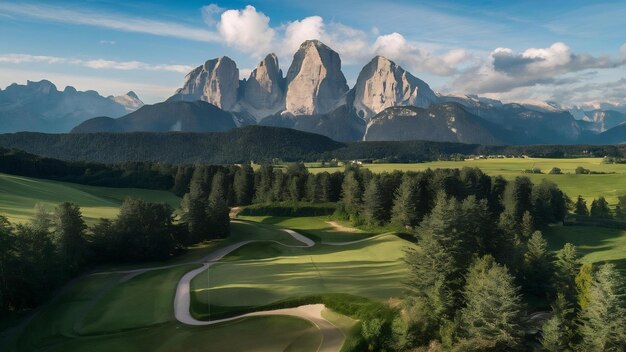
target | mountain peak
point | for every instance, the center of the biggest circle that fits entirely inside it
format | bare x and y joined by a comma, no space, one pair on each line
315,83
264,90
43,86
382,84
216,82
132,95
313,42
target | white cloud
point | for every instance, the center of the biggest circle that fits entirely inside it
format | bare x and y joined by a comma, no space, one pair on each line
350,43
506,70
97,64
249,31
395,47
108,42
244,73
210,12
24,58
110,20
297,32
246,30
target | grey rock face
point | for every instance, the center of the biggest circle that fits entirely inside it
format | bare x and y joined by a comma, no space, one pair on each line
315,83
382,84
216,82
264,88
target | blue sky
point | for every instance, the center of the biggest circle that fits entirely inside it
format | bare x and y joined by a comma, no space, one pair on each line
573,52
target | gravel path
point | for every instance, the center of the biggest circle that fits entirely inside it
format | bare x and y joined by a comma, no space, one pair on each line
332,337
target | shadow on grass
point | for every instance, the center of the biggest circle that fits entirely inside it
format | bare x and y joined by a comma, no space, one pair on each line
594,244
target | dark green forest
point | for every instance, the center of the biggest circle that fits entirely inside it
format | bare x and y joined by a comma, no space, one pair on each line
263,144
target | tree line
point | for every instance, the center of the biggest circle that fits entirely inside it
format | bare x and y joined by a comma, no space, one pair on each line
54,246
262,144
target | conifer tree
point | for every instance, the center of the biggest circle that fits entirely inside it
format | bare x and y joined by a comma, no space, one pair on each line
243,185
436,267
373,204
584,280
581,207
493,309
558,332
405,212
263,183
603,320
69,236
351,195
537,266
566,269
600,209
217,209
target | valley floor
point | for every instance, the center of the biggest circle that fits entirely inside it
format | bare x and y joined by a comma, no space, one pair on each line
132,309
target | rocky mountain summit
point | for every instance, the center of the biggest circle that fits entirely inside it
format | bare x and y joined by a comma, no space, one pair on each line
216,82
315,83
264,91
386,103
383,84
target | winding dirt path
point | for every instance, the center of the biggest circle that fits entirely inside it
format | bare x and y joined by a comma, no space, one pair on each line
332,337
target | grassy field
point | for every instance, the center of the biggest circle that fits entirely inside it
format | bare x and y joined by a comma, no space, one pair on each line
115,312
319,229
589,186
18,196
594,244
261,274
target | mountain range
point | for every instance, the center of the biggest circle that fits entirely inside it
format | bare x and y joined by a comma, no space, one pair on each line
386,103
41,107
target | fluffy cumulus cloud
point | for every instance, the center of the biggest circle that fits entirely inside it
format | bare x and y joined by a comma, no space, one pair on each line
247,30
350,43
506,70
395,47
298,31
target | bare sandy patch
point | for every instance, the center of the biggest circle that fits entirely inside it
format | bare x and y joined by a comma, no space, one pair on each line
341,228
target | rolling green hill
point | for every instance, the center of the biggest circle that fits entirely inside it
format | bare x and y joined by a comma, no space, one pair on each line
18,196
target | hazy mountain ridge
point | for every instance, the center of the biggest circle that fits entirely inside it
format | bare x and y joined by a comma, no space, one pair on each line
40,106
171,116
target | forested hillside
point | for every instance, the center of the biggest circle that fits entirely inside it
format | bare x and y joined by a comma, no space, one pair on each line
263,144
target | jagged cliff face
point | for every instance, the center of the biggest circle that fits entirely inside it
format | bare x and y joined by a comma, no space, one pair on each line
216,82
382,84
314,97
315,83
264,91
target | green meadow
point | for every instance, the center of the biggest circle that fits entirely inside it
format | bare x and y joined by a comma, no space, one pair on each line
610,185
112,311
594,244
19,195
